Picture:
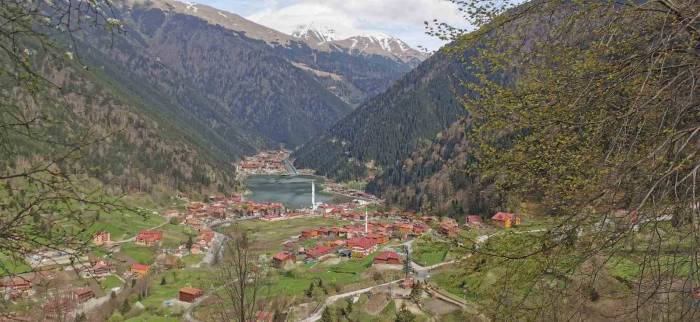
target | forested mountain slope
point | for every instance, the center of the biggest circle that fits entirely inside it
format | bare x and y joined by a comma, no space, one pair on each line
122,132
243,81
184,91
435,177
387,128
353,69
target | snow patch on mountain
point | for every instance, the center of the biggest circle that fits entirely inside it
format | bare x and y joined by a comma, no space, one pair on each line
314,32
377,43
192,6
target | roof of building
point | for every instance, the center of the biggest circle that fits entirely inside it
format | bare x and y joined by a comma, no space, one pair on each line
139,267
387,255
318,251
502,216
361,242
474,219
282,256
191,291
83,291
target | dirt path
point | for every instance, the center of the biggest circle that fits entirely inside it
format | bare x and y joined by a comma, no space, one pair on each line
316,315
134,237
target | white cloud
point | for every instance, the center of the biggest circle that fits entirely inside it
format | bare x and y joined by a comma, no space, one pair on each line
400,18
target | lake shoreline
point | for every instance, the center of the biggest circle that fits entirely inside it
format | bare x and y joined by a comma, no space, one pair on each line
293,191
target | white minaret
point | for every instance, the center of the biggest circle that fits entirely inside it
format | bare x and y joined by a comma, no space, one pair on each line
313,195
366,222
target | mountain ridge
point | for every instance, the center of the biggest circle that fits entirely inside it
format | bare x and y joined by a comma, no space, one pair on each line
364,73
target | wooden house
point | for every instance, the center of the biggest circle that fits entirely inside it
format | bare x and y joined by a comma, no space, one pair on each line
505,219
361,246
474,221
190,294
140,270
101,238
149,238
83,294
283,259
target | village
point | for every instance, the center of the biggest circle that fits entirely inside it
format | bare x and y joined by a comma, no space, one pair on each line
161,268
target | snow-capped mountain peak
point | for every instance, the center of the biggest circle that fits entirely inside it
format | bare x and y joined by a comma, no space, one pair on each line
316,33
371,43
386,42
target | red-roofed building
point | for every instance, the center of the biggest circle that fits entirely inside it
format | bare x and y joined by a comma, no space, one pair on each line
14,287
404,228
378,238
419,229
282,259
59,308
449,222
474,221
339,242
361,246
140,269
388,258
323,231
505,219
83,294
98,269
448,229
318,251
190,294
101,238
195,206
309,233
149,237
206,235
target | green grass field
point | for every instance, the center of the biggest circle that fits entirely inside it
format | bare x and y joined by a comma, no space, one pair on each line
268,236
428,252
176,235
110,282
295,282
148,317
175,280
190,260
141,254
124,225
10,266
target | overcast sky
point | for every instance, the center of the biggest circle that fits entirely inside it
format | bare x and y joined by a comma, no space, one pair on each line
400,18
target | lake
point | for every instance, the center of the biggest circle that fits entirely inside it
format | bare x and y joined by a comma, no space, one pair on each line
293,191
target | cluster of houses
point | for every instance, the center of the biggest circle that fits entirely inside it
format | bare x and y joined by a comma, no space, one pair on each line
29,284
266,162
356,241
220,208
